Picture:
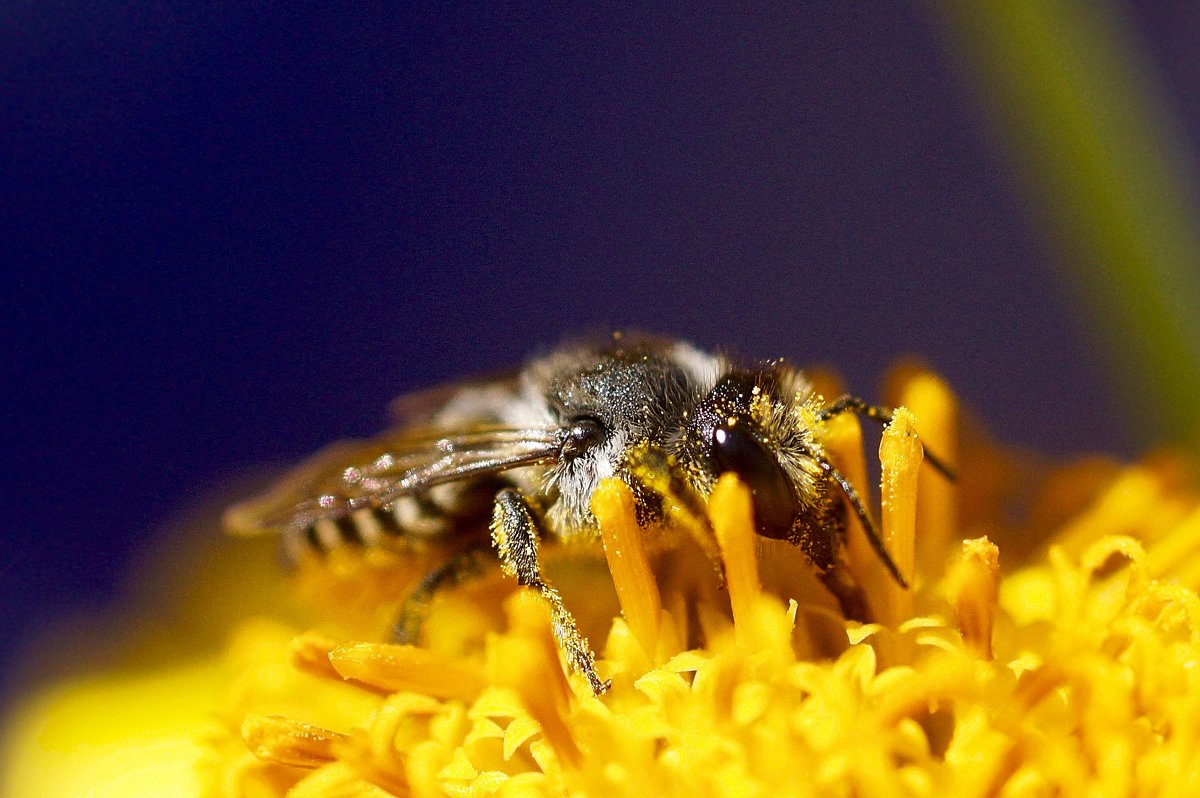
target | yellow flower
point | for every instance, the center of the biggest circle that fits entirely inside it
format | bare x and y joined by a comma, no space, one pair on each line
1057,654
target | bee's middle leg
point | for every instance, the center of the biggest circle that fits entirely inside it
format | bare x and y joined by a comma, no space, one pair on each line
515,536
462,567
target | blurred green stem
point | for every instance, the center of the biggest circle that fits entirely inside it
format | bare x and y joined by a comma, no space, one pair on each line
1087,126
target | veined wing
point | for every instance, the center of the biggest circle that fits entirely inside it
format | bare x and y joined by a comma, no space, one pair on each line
357,475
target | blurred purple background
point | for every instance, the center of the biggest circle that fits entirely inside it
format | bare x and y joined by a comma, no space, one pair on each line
233,235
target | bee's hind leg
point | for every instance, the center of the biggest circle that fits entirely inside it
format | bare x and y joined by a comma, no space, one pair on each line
462,567
515,536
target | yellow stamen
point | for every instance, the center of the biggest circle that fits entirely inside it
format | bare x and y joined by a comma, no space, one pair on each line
1174,552
637,590
289,742
394,668
310,652
900,461
527,662
338,780
733,520
931,401
844,443
972,586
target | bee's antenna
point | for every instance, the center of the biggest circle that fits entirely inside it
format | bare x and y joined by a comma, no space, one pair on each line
869,526
884,416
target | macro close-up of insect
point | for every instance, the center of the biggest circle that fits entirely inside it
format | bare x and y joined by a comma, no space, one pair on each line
497,468
602,400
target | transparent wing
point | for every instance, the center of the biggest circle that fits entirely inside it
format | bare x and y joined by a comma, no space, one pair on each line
355,475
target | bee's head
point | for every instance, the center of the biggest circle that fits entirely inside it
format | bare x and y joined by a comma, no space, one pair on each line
751,423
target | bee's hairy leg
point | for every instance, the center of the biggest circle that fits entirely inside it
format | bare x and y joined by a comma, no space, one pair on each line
822,538
462,567
841,583
883,415
515,537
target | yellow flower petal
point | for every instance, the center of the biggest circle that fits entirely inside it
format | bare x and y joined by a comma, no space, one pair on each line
141,734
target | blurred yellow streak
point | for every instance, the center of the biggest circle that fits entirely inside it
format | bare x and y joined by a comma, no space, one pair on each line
1090,131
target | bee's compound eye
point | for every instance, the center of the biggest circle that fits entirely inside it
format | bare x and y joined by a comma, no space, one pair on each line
775,507
583,433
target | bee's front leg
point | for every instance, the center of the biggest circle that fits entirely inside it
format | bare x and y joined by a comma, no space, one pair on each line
821,534
883,415
515,536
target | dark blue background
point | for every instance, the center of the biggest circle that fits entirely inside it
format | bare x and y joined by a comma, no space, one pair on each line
233,233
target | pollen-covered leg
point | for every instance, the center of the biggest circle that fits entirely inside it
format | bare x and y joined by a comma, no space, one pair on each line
460,568
515,536
821,536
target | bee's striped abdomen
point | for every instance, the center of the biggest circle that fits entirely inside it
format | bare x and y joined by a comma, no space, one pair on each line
423,516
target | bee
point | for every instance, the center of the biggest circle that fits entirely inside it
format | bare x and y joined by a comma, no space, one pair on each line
520,457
